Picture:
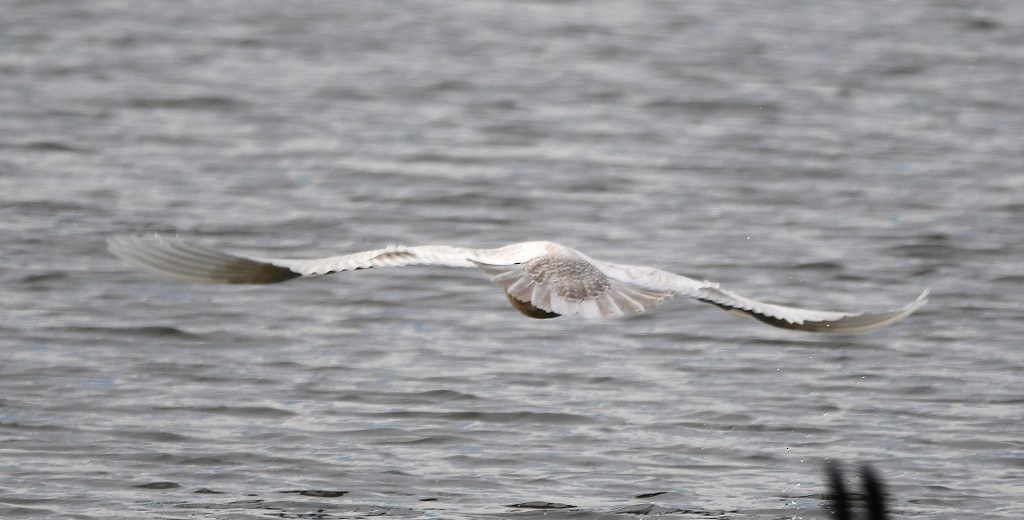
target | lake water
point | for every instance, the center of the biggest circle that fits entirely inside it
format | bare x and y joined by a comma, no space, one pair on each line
839,155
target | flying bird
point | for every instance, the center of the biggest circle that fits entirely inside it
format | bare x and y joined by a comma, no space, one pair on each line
540,279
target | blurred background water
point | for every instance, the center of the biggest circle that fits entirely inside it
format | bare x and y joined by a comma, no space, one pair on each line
840,154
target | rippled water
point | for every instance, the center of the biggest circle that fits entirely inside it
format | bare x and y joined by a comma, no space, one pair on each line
841,155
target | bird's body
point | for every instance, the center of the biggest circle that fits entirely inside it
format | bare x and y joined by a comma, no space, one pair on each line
541,279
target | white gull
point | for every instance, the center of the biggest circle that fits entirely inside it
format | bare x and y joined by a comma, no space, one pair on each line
540,279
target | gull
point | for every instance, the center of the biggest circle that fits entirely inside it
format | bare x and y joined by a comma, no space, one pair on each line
540,279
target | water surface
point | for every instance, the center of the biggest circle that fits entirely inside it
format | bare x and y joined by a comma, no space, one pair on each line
842,156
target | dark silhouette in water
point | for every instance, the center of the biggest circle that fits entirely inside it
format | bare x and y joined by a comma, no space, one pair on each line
872,493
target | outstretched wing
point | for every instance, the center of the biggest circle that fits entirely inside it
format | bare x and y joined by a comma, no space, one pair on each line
545,279
782,316
184,260
810,320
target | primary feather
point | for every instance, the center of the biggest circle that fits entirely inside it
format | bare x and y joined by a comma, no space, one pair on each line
540,279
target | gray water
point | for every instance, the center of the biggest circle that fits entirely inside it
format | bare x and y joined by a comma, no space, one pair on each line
840,155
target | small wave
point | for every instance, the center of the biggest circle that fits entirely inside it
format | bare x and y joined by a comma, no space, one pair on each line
818,266
650,495
158,485
52,276
43,207
433,440
494,417
707,106
235,411
48,146
537,504
191,103
154,331
319,493
399,398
